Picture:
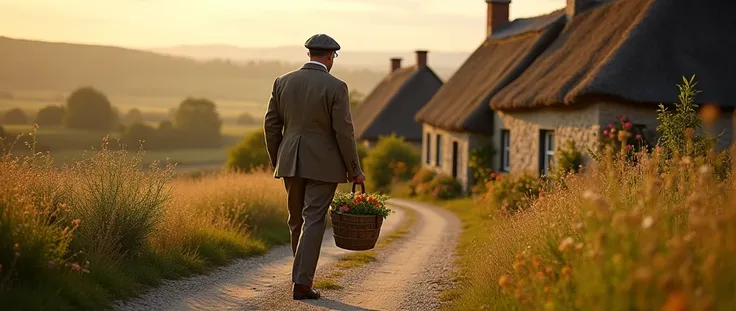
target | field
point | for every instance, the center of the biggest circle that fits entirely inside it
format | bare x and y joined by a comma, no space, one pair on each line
80,236
70,145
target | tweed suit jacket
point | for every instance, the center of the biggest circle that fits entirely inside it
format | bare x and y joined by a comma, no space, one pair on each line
309,129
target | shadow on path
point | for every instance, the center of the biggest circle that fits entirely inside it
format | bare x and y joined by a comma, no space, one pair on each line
335,305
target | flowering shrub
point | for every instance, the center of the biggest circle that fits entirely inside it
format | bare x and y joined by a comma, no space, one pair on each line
444,187
514,193
392,159
569,159
360,204
423,176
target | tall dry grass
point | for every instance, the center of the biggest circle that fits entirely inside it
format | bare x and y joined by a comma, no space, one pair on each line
645,235
81,235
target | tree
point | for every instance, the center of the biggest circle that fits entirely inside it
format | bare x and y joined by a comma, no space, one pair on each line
15,116
138,133
356,98
197,119
249,154
89,109
133,116
50,116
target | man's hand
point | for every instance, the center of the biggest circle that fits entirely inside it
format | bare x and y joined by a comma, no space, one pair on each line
359,179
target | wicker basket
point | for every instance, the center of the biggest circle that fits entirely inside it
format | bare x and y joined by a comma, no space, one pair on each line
355,232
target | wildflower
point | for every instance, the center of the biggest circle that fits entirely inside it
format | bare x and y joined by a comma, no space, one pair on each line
647,222
689,132
605,132
611,126
623,135
628,126
344,209
629,148
504,281
675,302
566,243
639,137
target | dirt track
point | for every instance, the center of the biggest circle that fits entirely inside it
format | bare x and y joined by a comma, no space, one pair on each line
407,275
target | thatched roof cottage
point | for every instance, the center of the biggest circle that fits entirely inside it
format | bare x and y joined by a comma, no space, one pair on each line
391,106
535,83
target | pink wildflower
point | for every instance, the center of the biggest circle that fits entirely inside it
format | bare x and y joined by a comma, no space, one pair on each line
344,209
638,137
605,132
628,126
629,148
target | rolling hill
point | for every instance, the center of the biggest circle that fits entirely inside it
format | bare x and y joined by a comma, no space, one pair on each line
59,68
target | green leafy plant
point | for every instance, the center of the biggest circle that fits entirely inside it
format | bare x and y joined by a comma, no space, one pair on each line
445,187
514,193
480,160
678,128
382,164
250,154
568,159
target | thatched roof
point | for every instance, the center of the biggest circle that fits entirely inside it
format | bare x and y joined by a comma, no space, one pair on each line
632,50
462,103
391,106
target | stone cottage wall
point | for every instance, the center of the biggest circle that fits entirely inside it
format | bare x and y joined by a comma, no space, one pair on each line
583,125
466,142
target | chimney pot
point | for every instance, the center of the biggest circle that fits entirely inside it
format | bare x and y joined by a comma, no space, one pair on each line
575,7
421,59
395,64
497,15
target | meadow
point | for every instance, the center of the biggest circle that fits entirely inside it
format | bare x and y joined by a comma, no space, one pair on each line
80,235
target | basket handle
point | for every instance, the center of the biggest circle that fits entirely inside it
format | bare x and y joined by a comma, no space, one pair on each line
362,187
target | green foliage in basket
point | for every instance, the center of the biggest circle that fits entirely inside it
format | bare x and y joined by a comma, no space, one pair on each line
361,204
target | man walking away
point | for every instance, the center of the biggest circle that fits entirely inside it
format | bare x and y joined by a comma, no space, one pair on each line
311,144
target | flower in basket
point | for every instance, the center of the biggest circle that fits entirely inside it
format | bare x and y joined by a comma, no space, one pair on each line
360,204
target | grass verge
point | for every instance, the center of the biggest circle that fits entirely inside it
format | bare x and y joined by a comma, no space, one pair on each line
80,236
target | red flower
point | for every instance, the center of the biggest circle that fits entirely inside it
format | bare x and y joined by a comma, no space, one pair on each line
605,132
638,137
628,126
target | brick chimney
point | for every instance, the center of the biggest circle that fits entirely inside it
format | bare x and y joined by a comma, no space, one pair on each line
421,59
395,64
575,7
497,15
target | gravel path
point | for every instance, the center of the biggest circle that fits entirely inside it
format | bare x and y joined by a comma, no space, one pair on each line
407,275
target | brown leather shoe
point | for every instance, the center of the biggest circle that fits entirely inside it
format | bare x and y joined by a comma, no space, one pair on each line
302,292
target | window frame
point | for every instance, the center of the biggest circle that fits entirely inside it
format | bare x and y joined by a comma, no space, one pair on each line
438,147
546,151
428,152
505,164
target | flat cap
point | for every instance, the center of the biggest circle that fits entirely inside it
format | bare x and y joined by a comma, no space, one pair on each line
322,41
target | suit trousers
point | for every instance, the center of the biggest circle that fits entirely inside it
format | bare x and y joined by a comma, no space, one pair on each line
308,201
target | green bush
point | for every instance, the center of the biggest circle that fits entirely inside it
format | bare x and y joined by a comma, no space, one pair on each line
569,159
250,153
89,109
445,187
480,161
15,116
391,160
199,122
514,193
50,116
362,152
422,177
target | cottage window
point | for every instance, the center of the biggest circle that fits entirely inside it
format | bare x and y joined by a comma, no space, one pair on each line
438,156
505,151
454,159
547,151
428,147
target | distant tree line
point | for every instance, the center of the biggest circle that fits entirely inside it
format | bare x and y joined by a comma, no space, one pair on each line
196,125
196,121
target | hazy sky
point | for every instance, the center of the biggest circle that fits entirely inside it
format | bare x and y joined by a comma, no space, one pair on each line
449,25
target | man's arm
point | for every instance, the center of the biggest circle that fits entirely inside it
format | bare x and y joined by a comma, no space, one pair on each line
273,126
342,123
